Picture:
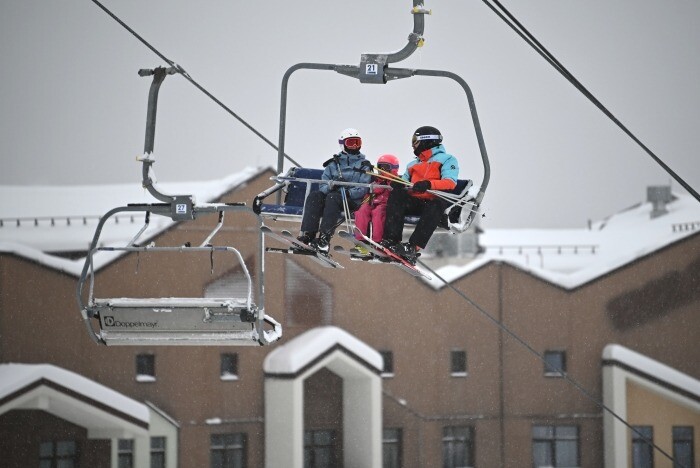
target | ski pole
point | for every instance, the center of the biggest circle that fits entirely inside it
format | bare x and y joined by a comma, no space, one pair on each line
449,197
444,195
393,177
389,176
343,194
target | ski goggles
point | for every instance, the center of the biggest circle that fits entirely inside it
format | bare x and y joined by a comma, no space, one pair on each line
352,143
387,167
416,139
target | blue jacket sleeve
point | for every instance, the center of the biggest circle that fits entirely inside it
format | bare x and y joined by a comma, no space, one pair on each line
406,175
450,168
327,175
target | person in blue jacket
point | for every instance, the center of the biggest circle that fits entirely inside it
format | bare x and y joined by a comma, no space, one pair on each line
323,210
433,169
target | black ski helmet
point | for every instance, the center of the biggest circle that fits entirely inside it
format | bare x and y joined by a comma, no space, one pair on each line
424,138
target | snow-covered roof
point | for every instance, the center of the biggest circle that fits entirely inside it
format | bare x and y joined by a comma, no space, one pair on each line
64,218
568,258
298,353
72,267
16,378
163,414
648,366
572,257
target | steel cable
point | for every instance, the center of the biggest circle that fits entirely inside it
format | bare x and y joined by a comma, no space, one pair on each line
186,75
511,21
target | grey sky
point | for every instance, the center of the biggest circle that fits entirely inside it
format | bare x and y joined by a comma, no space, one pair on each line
73,107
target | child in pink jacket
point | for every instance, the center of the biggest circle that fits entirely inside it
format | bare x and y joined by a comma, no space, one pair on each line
374,209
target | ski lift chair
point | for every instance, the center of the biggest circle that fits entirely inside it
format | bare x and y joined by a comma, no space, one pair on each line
219,321
373,69
212,321
298,182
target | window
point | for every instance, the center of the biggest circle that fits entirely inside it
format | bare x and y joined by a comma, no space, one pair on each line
457,447
555,446
391,448
157,452
319,449
228,450
642,450
458,363
61,454
229,367
125,453
683,446
388,357
145,368
554,362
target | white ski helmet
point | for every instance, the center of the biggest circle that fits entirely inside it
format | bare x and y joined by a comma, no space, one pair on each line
350,140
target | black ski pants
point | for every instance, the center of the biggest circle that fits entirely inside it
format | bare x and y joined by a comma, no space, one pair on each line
324,212
400,204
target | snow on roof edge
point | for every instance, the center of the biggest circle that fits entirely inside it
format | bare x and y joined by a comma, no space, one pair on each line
71,267
104,258
568,281
647,365
16,376
292,356
162,413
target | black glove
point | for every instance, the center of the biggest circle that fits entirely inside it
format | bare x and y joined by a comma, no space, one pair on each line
366,166
397,185
421,186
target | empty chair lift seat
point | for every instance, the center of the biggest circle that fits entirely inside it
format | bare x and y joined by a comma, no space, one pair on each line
188,321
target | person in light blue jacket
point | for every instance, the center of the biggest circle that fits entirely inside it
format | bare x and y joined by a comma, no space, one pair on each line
433,169
323,210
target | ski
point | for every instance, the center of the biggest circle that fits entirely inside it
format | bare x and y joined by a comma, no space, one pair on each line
298,248
371,258
384,255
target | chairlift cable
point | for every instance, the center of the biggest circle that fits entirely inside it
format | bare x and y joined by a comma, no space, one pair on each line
540,49
562,374
532,44
186,75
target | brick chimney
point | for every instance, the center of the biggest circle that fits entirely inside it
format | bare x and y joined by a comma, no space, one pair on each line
659,196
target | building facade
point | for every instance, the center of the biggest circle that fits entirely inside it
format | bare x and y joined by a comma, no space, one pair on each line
470,369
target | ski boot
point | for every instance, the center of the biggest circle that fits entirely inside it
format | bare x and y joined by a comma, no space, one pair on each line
388,244
307,237
360,251
407,251
322,244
